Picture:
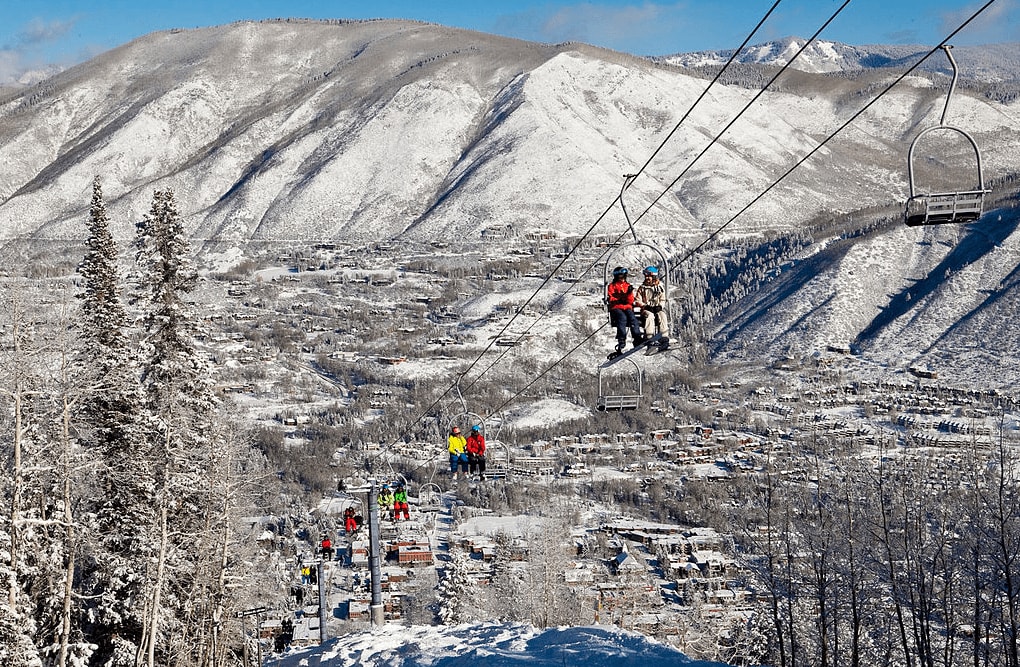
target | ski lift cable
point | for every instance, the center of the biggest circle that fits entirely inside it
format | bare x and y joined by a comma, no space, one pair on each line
631,177
618,198
810,154
704,93
747,106
831,136
556,363
595,224
536,320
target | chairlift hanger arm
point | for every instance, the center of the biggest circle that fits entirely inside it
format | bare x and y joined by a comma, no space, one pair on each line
952,85
627,180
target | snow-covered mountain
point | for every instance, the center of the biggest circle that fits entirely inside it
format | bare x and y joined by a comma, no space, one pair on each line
988,63
380,130
297,129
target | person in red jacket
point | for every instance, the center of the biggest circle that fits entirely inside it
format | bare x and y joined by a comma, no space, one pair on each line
400,502
327,549
476,451
350,520
620,299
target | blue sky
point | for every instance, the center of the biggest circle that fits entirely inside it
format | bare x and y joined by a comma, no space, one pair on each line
40,32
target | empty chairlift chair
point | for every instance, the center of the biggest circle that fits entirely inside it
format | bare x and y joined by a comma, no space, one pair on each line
934,208
616,392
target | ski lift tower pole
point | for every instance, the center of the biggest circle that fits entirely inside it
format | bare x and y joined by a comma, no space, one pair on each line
323,599
244,638
256,612
258,631
375,571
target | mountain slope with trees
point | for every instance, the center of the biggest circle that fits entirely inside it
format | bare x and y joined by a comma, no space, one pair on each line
382,129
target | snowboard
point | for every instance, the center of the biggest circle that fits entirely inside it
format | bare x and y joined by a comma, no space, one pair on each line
651,342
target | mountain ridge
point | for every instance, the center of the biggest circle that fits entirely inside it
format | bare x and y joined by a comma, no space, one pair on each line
987,63
386,131
332,135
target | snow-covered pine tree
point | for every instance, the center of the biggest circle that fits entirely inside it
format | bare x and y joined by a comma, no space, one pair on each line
16,647
109,422
457,593
506,601
16,627
181,406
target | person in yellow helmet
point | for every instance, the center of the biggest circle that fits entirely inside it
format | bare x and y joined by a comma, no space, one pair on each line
457,446
385,500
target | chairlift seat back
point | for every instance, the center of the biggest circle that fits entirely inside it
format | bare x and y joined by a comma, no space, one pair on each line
944,207
621,402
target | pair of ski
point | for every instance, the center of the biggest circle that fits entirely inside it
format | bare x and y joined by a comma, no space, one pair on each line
651,346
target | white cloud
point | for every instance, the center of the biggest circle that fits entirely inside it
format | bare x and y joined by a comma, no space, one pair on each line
997,23
23,60
604,24
618,27
38,31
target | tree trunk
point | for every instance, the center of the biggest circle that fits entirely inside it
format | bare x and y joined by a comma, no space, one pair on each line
15,512
151,634
69,560
149,642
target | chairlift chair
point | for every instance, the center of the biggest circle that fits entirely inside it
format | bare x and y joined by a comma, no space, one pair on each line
429,496
944,207
465,420
618,401
660,257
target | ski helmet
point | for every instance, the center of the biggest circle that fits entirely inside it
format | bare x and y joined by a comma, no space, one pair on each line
619,271
476,428
651,271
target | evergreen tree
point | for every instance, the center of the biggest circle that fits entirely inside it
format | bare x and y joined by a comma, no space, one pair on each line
176,380
507,584
103,316
457,593
110,426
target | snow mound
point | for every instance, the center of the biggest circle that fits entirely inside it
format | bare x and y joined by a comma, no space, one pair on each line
493,645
